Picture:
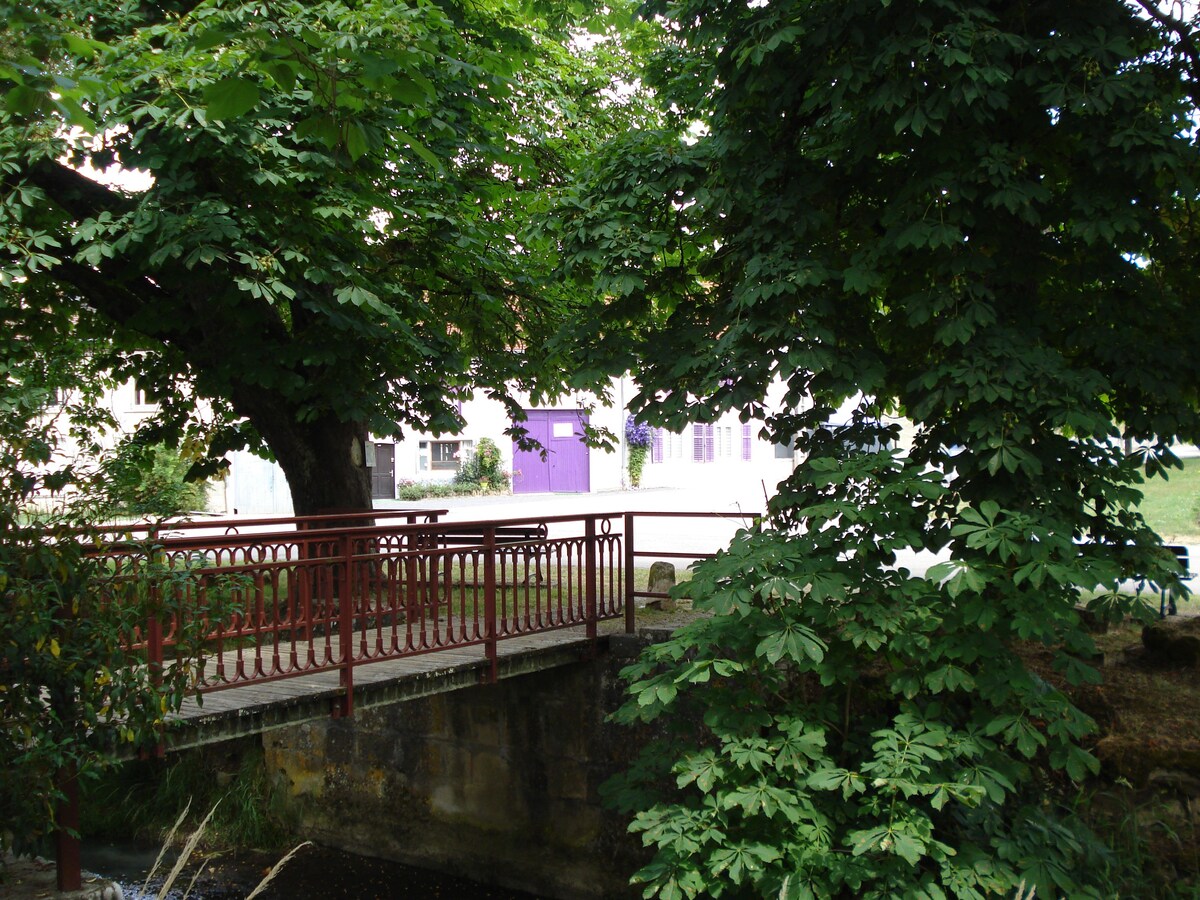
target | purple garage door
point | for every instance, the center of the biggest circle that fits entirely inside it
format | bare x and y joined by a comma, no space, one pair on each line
565,468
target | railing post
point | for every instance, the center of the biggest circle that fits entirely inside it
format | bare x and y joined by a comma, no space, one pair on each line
491,632
345,706
154,649
589,551
69,868
630,627
154,635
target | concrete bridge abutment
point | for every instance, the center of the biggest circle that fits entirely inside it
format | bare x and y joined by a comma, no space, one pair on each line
498,782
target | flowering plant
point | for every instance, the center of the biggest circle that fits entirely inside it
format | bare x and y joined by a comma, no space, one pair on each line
639,437
637,434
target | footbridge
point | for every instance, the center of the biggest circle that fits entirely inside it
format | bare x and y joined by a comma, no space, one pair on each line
307,618
313,616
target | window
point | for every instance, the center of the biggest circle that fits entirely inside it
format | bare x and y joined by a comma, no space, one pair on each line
747,441
444,455
667,445
144,396
710,442
723,441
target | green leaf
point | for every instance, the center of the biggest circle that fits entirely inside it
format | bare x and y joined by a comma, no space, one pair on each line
356,141
23,101
420,149
230,98
213,37
795,641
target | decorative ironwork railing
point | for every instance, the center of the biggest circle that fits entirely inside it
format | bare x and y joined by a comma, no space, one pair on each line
280,599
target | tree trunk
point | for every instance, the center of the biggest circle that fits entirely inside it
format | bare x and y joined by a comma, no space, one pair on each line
328,472
324,459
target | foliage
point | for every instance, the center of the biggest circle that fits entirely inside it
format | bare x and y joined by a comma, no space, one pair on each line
142,481
965,212
637,461
638,438
338,228
420,490
72,684
144,798
483,469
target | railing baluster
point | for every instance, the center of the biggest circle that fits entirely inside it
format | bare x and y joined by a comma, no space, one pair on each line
489,598
590,575
630,627
345,706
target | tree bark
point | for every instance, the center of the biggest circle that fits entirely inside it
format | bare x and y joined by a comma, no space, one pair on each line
324,459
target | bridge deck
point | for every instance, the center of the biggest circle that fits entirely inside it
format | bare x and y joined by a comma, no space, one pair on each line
261,706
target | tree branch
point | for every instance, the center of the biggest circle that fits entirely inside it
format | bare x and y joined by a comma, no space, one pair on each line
75,193
1183,32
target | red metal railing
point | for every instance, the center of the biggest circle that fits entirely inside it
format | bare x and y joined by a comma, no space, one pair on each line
314,594
284,604
635,548
307,598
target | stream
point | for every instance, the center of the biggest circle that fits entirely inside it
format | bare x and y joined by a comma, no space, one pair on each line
316,872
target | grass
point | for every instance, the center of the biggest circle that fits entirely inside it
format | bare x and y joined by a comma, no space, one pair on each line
1172,505
1147,729
143,798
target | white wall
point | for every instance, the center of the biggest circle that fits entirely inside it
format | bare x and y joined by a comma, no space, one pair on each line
254,487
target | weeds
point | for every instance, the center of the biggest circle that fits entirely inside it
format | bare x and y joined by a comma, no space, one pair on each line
140,798
1153,840
189,848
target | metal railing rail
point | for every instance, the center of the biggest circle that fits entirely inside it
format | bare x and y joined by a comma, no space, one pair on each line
633,552
311,598
285,604
172,527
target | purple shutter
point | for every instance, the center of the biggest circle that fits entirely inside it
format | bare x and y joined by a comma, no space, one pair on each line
710,449
746,440
656,446
698,443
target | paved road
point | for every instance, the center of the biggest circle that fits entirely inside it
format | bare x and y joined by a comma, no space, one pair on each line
734,499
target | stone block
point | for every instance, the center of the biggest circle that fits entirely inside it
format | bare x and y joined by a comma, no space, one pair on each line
1174,641
567,780
662,579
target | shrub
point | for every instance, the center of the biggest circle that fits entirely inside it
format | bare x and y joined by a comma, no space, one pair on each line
144,480
482,469
423,490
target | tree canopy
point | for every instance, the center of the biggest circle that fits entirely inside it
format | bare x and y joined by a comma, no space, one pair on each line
337,226
976,214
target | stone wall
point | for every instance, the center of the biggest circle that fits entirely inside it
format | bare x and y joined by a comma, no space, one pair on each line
497,782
